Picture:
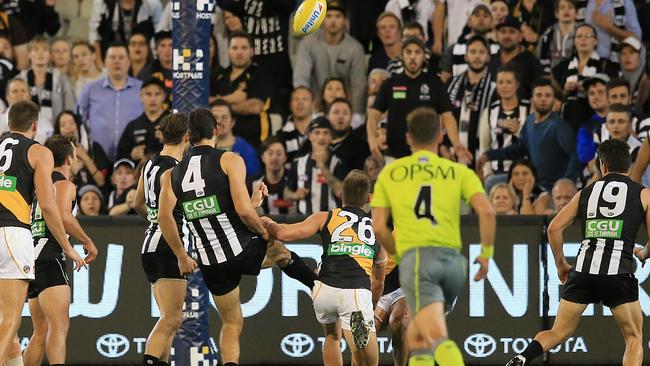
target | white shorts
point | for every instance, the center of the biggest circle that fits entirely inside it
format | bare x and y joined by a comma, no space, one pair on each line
16,253
388,300
333,303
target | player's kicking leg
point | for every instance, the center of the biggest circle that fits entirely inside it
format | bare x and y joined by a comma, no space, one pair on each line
566,322
289,262
169,294
630,321
232,322
12,298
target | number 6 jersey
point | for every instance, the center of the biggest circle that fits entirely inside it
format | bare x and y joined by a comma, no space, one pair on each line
611,213
16,181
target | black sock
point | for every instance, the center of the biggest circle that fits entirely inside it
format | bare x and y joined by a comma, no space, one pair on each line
57,364
230,364
148,360
162,363
297,269
533,351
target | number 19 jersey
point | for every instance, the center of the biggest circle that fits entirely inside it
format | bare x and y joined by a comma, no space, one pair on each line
423,192
203,193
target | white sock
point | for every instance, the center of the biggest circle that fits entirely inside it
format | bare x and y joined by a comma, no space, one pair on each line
18,361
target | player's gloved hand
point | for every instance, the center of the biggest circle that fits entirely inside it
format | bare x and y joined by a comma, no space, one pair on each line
483,270
72,254
186,264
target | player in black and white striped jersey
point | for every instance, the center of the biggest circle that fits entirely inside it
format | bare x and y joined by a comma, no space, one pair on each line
611,211
158,259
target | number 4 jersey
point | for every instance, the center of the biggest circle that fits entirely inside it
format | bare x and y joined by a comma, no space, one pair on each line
16,181
203,192
611,213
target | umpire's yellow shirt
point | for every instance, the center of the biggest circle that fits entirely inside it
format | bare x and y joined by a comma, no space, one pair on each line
423,192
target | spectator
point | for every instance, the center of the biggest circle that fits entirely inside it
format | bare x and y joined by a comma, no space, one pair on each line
453,62
61,51
375,78
457,12
348,144
92,165
389,28
294,132
632,62
594,131
38,17
49,88
332,89
84,67
274,176
571,73
229,21
509,37
419,11
504,199
396,65
14,32
108,104
532,197
556,43
402,93
332,53
642,104
382,142
113,21
91,201
161,68
8,68
546,139
561,194
138,140
536,17
373,166
120,199
228,141
18,91
501,123
247,88
613,21
139,55
500,10
470,92
315,178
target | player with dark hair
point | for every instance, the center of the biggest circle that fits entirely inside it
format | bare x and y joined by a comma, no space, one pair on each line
611,211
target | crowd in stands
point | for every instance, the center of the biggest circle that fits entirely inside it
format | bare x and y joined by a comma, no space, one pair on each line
526,90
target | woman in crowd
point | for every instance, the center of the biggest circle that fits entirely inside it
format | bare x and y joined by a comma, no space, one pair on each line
532,198
61,54
93,165
85,70
504,200
274,176
334,88
91,201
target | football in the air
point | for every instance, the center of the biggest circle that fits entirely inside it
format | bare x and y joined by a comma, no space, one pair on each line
309,16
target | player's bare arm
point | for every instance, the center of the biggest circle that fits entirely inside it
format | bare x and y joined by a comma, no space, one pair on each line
556,235
643,253
641,163
138,202
301,230
378,276
168,224
487,226
65,193
234,167
41,159
380,217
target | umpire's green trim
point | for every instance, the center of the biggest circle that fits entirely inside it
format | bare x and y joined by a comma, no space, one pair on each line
417,279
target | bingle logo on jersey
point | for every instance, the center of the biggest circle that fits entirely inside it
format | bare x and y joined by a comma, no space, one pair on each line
353,248
188,64
7,183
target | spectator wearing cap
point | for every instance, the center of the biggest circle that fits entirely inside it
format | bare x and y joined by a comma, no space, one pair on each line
556,43
315,178
161,68
453,62
536,16
545,139
389,31
511,50
584,64
294,132
348,144
139,140
115,20
593,131
247,87
401,93
274,176
139,53
120,199
470,92
49,87
91,201
614,20
633,62
107,105
228,141
85,71
332,52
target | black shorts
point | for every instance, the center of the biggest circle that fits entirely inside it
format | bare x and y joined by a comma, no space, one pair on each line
48,274
611,290
224,277
159,265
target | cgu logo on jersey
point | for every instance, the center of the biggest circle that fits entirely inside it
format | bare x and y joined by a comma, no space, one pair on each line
38,224
7,183
152,215
202,207
603,228
356,249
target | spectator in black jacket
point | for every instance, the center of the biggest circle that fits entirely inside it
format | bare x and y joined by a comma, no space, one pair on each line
348,144
161,67
37,16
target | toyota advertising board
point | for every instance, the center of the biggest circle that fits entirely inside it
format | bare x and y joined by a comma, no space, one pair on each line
113,311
